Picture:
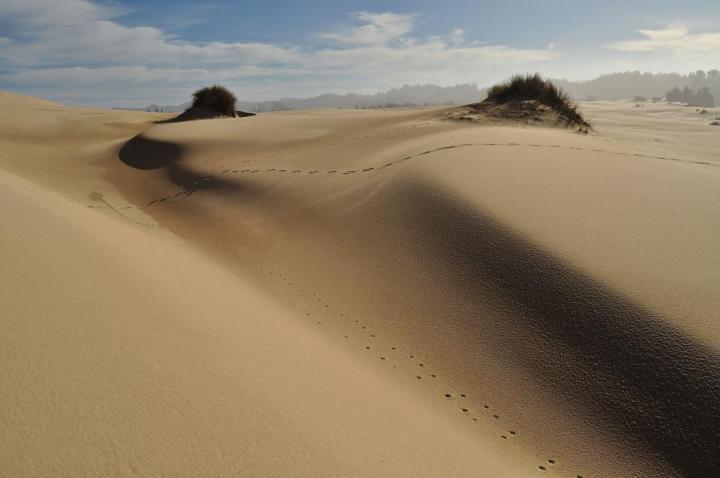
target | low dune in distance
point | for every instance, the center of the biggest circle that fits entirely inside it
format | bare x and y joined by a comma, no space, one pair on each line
359,293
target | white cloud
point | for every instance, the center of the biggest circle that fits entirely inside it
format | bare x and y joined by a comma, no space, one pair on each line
86,77
457,37
79,50
79,31
675,38
377,29
43,13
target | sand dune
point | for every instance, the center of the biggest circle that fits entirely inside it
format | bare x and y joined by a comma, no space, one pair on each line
359,293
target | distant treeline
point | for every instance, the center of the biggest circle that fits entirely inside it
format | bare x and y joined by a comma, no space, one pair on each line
634,83
703,97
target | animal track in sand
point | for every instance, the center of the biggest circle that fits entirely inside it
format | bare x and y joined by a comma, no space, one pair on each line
384,358
184,193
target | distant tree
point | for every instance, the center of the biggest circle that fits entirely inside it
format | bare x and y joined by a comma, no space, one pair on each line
704,98
674,95
687,95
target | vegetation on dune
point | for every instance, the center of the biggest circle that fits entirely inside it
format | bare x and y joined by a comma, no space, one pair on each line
522,88
215,99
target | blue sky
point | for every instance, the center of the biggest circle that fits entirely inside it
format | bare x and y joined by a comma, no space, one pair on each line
133,53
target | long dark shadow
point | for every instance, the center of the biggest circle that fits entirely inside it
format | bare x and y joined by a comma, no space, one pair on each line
147,154
625,363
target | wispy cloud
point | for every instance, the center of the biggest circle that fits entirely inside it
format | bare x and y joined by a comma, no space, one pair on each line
77,31
675,38
376,28
80,51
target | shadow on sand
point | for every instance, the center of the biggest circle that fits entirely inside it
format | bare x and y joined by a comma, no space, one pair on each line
623,363
615,360
192,114
150,154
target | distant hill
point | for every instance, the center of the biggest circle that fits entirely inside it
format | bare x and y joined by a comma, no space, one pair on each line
168,108
627,84
408,95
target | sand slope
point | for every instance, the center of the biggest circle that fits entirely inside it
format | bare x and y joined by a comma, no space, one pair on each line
360,293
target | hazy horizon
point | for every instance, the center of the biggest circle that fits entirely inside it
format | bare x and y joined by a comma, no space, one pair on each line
131,53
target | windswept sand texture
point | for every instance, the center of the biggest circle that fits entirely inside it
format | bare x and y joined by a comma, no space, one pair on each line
358,293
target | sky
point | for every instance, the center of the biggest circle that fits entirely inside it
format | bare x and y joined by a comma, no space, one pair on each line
133,53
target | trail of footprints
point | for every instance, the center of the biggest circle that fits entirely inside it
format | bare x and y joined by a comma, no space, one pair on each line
207,181
423,370
550,462
393,352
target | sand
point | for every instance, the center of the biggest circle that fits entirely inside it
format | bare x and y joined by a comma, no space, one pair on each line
358,293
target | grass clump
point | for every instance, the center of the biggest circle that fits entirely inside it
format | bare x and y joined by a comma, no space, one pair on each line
215,99
522,88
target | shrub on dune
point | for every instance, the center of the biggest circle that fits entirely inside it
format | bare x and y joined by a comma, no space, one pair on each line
215,99
522,88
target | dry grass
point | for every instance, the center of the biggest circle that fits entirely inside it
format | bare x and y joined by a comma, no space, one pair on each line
521,88
216,99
